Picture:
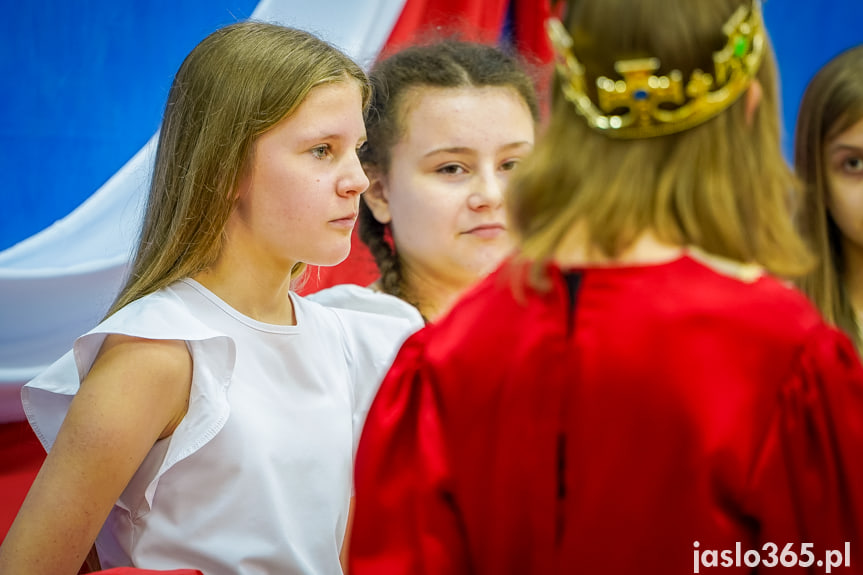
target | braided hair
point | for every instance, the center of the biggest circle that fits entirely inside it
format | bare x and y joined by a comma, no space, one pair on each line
443,64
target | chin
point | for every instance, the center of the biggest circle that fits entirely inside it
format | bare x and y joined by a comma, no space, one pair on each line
489,262
478,271
330,259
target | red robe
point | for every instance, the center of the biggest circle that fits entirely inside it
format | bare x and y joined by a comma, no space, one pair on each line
607,425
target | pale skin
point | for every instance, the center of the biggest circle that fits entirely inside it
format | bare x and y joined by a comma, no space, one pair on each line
444,189
297,201
134,395
843,162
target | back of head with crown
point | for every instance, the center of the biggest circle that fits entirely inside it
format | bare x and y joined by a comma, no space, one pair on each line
641,103
650,132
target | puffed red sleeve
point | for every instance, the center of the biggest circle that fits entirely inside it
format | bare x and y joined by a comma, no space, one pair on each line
807,481
406,520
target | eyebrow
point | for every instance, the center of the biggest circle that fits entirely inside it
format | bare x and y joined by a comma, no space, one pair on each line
838,148
464,150
328,137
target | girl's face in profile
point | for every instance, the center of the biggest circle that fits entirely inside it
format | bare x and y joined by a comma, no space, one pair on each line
445,188
299,193
844,168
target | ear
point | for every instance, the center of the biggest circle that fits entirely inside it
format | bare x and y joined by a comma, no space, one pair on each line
752,99
376,196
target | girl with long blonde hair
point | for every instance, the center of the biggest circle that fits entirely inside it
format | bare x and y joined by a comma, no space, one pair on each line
209,421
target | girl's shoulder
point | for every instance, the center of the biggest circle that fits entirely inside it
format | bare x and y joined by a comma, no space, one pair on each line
373,325
167,314
354,298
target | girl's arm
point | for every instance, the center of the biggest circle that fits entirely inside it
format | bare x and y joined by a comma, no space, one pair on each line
343,555
136,393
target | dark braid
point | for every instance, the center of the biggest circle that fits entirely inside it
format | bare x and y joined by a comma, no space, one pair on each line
373,234
443,64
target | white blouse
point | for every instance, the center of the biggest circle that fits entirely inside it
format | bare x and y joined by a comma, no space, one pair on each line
257,477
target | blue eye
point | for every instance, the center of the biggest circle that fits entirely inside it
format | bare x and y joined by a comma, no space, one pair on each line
321,152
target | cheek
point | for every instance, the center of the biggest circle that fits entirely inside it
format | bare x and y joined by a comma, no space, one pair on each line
845,204
424,209
418,223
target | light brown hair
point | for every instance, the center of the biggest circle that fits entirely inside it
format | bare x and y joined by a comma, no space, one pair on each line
235,85
722,186
832,103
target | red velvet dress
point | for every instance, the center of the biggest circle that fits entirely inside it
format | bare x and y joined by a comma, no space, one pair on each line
607,425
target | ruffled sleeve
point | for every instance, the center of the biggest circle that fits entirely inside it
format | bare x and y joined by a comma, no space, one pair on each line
405,521
160,316
807,481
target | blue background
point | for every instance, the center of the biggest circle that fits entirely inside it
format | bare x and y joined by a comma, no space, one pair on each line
82,88
83,84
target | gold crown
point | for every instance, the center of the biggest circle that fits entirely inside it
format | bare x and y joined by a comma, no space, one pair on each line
643,105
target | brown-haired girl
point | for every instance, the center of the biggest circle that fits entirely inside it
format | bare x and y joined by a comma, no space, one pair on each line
829,160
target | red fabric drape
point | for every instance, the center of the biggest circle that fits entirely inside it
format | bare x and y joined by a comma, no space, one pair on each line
21,456
477,20
529,21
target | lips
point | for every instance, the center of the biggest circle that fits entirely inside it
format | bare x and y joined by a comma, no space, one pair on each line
487,231
347,221
351,217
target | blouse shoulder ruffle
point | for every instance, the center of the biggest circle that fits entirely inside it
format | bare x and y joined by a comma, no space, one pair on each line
160,316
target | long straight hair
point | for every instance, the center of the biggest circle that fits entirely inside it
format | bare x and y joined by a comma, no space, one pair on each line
235,85
832,103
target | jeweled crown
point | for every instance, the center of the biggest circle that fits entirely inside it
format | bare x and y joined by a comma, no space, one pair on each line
643,105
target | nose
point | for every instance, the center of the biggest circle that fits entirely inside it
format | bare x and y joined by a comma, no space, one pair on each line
354,180
488,191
